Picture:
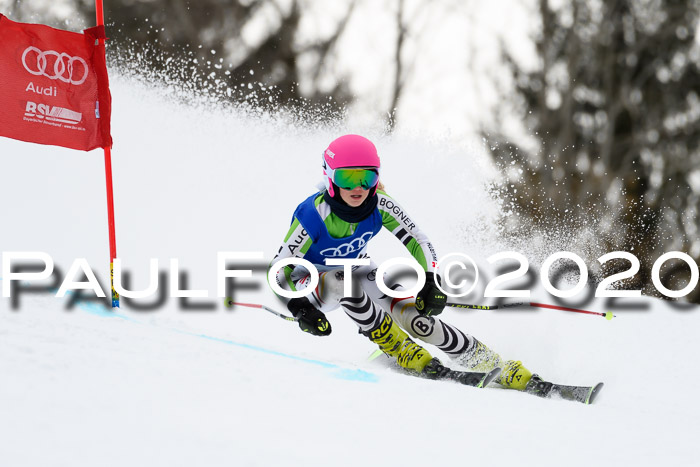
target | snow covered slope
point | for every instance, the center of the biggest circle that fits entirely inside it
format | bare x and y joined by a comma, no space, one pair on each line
177,386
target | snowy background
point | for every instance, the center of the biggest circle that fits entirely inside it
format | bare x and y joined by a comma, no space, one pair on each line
82,386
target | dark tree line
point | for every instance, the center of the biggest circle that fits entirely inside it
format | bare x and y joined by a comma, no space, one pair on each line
286,63
211,36
213,31
283,59
614,108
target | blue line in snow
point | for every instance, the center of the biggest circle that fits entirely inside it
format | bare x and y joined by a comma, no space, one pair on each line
339,372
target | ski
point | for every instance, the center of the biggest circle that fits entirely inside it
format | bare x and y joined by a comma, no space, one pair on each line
437,371
584,394
477,380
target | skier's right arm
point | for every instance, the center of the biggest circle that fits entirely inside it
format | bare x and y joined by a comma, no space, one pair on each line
296,244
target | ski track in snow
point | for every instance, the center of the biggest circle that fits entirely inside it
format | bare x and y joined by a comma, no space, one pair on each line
83,386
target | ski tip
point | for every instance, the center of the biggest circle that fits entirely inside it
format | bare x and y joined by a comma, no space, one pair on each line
488,377
593,393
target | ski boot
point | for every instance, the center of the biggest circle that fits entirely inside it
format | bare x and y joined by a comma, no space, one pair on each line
514,375
394,341
478,357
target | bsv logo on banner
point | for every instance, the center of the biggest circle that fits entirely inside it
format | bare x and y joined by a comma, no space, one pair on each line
52,113
64,66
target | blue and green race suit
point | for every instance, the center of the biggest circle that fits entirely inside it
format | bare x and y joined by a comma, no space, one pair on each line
316,233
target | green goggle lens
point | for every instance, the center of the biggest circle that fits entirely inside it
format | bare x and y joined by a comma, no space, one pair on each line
350,179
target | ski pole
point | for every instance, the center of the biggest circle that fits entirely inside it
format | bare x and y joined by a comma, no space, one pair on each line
607,315
230,304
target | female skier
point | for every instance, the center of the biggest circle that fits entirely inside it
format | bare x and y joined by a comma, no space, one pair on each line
338,222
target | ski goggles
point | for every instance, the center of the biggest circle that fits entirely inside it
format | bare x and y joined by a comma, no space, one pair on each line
351,178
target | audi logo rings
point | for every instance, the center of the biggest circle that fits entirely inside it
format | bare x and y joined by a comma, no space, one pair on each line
63,67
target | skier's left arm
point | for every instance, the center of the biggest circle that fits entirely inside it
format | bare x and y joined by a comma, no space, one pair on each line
430,300
398,222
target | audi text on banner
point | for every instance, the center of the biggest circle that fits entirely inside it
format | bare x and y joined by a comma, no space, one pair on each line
55,88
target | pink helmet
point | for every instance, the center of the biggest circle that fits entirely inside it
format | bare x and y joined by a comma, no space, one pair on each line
348,151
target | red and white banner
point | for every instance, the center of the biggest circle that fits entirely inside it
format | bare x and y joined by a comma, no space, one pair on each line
54,87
